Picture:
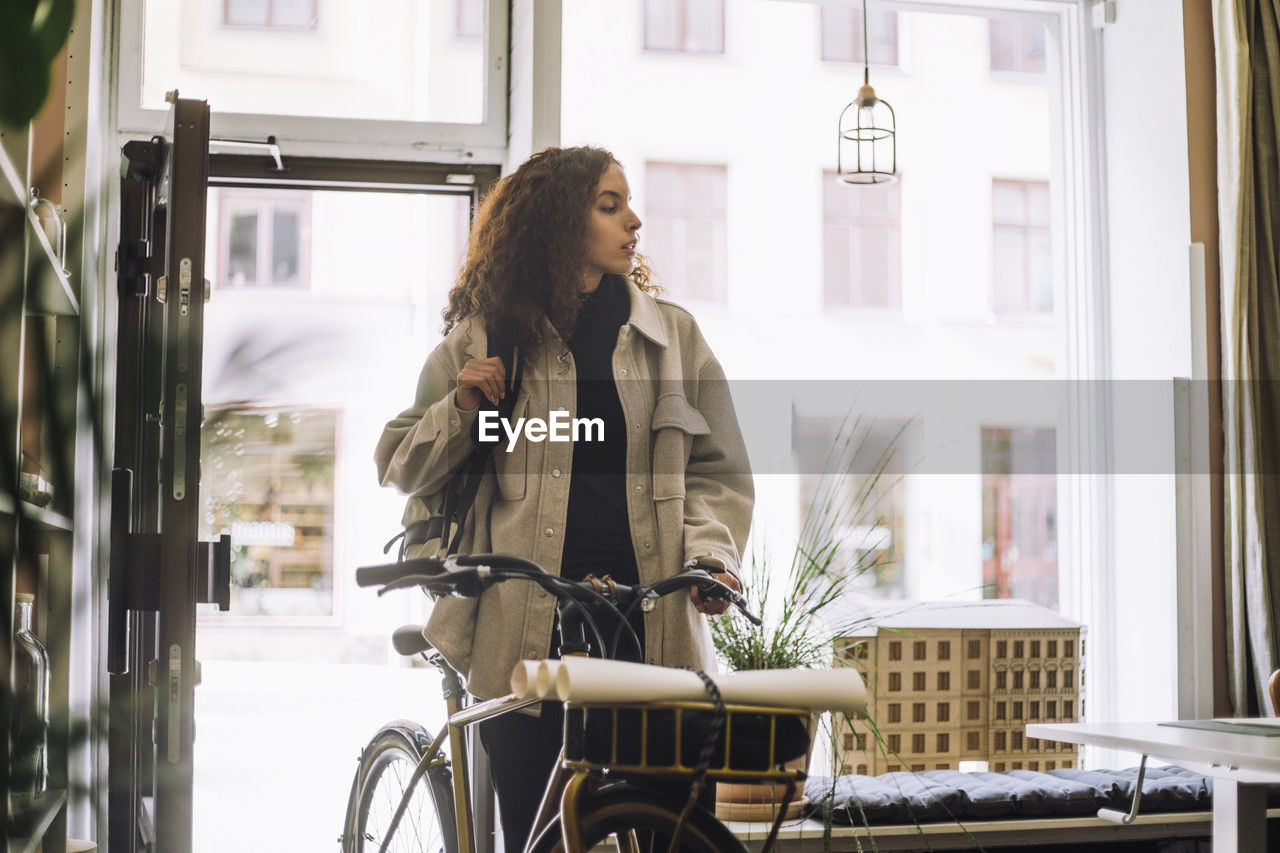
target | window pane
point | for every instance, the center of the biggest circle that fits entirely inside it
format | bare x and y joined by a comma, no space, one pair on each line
246,13
242,260
662,25
298,14
286,248
279,58
705,26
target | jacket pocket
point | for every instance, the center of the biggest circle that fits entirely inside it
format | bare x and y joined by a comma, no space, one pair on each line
674,425
510,466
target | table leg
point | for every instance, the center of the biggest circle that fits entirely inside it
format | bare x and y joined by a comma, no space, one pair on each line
1239,817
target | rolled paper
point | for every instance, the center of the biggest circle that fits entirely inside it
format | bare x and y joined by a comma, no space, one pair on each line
818,690
544,685
593,680
524,677
596,680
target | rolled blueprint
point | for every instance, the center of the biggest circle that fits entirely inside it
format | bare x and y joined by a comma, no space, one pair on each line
533,678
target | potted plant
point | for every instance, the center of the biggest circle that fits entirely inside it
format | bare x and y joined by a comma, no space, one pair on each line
843,539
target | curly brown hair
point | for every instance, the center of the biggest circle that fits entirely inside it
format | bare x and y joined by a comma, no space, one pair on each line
527,247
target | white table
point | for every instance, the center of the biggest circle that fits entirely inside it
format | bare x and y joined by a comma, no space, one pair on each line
1241,765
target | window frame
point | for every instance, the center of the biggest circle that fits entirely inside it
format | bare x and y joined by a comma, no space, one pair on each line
854,222
315,12
481,143
230,201
684,50
662,211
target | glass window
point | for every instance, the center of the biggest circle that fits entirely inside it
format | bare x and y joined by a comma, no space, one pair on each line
975,649
895,712
895,681
861,228
944,712
974,679
1002,709
920,650
1035,679
895,650
1034,709
1035,648
895,744
1002,649
276,14
944,742
688,26
301,58
1022,256
973,710
264,238
1019,510
1002,679
944,650
1051,679
268,480
918,682
1051,649
973,741
917,712
944,680
1051,709
1017,679
842,38
1016,45
1018,648
1000,742
1015,740
686,231
917,743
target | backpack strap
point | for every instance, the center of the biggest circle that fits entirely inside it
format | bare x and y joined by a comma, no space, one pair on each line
460,492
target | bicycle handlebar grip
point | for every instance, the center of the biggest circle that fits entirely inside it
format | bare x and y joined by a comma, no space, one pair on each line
389,572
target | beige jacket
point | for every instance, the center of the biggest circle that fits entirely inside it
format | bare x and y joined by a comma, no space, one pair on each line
688,483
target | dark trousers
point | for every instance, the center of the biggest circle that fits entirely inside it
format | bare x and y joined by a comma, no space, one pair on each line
523,750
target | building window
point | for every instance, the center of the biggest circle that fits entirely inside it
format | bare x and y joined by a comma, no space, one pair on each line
1015,741
895,681
861,239
895,712
1020,515
686,26
944,712
944,742
1022,262
1002,649
1001,679
276,14
1068,648
1018,647
686,222
1068,679
1051,649
1001,710
975,649
1034,707
917,712
1035,679
944,680
973,710
1051,709
944,650
895,744
842,39
264,239
973,741
862,770
999,745
918,682
1016,45
1017,710
917,743
1051,679
919,650
1017,679
1035,648
895,650
975,679
468,18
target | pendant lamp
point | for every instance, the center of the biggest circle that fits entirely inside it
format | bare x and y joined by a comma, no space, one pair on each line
867,145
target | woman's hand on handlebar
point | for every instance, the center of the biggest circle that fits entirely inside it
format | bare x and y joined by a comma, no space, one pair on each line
714,606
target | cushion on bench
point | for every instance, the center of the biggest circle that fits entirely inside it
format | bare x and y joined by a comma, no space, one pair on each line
934,795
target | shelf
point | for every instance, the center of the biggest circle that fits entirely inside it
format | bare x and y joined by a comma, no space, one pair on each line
31,819
48,290
42,516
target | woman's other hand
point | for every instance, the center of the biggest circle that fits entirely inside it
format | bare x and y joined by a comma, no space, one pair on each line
715,606
483,378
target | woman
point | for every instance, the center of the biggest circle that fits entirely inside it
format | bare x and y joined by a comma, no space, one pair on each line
552,261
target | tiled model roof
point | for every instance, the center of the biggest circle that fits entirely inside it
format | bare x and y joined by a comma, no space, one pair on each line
992,614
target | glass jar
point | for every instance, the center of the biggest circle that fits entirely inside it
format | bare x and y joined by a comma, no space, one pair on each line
30,723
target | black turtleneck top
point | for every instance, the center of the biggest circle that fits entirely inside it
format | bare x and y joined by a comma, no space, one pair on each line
598,530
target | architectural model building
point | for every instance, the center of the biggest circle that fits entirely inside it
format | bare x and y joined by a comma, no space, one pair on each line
958,682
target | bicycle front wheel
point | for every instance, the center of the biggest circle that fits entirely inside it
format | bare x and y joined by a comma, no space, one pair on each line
386,768
645,822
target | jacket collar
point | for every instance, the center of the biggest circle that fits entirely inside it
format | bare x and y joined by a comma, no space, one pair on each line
645,316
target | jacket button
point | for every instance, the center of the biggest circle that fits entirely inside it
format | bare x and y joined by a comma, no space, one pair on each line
648,545
623,371
548,531
453,422
555,472
639,488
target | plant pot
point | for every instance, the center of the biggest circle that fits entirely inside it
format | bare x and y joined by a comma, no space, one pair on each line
759,801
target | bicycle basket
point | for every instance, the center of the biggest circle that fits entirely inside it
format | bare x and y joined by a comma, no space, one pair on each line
668,737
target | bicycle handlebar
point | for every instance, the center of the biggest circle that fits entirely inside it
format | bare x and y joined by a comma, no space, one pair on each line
469,575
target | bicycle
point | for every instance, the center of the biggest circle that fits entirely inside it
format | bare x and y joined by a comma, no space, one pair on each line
408,795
